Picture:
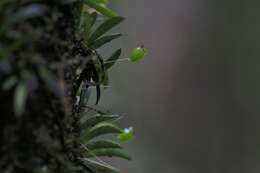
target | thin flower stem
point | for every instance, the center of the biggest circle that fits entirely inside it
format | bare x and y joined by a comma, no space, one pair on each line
119,60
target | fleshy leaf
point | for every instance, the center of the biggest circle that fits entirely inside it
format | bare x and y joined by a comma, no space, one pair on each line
87,23
112,60
100,8
105,27
101,144
103,40
92,121
109,152
100,129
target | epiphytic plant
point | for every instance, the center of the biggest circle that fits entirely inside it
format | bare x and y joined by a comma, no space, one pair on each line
49,61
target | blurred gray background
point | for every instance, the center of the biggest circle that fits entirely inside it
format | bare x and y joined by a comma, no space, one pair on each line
194,101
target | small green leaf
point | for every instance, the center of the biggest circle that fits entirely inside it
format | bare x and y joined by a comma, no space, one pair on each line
105,27
126,135
103,40
138,54
112,60
94,120
109,152
20,97
100,129
102,168
100,8
102,144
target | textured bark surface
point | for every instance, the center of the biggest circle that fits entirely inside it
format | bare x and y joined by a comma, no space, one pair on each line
44,55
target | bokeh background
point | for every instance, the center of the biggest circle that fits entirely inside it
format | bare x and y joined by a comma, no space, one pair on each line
195,100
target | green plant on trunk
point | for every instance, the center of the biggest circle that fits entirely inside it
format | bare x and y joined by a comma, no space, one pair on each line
49,61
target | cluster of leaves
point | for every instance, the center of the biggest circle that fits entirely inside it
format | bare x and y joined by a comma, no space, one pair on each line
49,62
95,74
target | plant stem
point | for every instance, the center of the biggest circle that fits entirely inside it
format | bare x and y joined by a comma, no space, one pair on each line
119,60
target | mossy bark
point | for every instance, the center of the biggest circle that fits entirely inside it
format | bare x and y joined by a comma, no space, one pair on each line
40,49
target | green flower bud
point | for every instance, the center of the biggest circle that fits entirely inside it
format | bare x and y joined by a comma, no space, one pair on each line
126,135
138,54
